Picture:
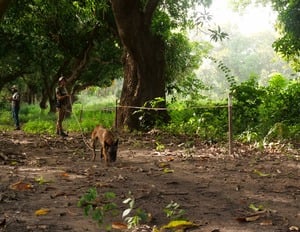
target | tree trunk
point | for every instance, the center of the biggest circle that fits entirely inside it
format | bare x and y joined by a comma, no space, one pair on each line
144,64
3,6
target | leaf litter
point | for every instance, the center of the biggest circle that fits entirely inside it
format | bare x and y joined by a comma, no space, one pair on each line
237,193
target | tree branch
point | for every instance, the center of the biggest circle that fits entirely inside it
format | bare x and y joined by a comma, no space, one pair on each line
149,10
83,58
3,6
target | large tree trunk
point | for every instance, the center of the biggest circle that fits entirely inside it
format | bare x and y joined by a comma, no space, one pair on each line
3,6
144,63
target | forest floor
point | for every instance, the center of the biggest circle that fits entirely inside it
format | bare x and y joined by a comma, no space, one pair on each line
44,177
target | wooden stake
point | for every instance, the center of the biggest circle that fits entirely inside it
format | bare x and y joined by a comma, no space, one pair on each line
230,133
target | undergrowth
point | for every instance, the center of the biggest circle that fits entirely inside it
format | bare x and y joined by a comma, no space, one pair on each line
260,114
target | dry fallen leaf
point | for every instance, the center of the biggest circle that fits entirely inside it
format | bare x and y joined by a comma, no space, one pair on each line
266,223
119,226
248,219
65,174
42,211
294,228
170,158
20,186
252,218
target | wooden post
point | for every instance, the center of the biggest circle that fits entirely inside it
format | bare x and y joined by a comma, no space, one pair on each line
81,112
230,133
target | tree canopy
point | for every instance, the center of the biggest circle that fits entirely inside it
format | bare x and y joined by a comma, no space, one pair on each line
46,39
90,42
288,26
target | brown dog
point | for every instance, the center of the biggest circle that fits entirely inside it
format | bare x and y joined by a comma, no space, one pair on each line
108,142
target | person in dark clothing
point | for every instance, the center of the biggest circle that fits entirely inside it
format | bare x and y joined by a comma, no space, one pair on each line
15,106
62,100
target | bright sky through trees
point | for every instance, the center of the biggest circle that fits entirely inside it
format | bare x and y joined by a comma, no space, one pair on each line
254,18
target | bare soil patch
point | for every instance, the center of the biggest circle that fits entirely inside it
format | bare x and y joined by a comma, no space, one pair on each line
215,190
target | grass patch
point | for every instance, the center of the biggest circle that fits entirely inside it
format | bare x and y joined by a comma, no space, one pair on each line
83,119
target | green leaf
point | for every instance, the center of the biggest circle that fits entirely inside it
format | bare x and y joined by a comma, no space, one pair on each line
253,207
168,170
260,173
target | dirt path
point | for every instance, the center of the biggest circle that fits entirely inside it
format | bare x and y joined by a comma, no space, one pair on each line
214,190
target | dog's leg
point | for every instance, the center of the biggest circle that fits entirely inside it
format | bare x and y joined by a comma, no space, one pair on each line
94,148
105,154
101,151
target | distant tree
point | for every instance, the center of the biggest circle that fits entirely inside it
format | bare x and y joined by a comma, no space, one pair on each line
288,44
41,40
244,56
145,28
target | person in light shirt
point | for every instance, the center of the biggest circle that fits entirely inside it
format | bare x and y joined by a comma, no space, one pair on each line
62,99
15,106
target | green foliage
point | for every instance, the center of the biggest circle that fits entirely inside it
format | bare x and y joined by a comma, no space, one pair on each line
248,137
138,215
207,120
270,112
100,207
173,211
183,57
148,114
218,34
159,146
288,44
91,205
280,104
259,113
82,119
40,40
6,118
39,127
247,100
231,79
161,24
85,119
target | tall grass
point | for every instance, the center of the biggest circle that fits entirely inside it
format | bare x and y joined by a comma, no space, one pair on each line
84,118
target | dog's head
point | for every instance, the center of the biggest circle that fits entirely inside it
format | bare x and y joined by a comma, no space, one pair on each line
112,150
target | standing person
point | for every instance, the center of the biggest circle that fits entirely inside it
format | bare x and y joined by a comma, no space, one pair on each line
61,104
15,106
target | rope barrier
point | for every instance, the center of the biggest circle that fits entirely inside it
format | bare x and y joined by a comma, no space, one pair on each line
111,108
80,127
81,133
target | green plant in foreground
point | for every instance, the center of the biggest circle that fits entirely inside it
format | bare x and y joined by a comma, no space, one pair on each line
91,205
133,216
138,217
173,211
159,146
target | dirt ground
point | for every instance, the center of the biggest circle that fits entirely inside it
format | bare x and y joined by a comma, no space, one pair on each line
215,190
